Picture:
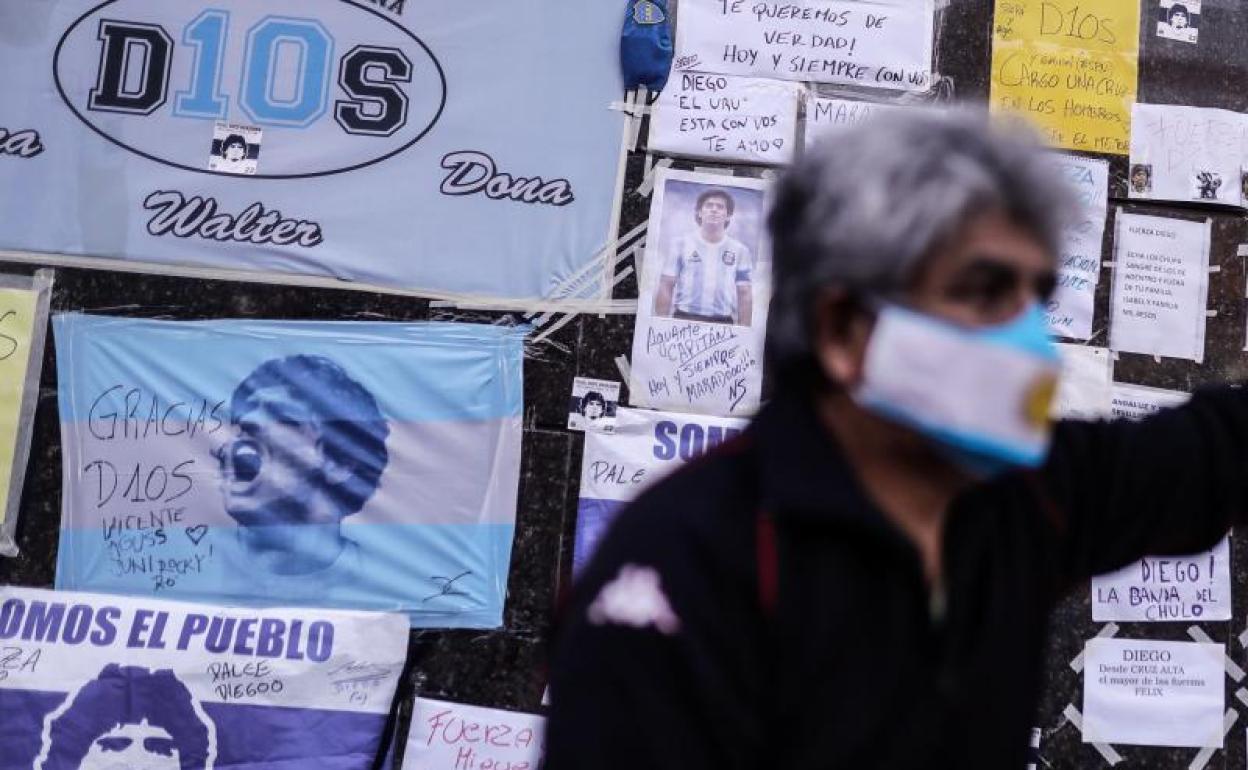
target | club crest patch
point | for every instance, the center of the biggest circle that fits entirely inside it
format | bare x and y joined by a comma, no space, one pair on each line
729,257
647,12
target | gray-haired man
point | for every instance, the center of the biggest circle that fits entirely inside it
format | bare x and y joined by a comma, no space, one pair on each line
863,579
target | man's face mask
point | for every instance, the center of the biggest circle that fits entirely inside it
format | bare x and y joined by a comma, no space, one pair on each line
982,394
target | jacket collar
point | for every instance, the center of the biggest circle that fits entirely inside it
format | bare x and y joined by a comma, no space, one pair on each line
803,472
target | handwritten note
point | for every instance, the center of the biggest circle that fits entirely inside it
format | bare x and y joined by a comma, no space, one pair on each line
1167,588
646,446
1160,287
1069,66
1069,311
885,44
1187,154
1150,693
17,330
1134,402
452,736
704,291
825,116
1083,392
748,120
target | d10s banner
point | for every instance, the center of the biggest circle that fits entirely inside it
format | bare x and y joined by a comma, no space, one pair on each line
92,682
430,146
645,447
336,464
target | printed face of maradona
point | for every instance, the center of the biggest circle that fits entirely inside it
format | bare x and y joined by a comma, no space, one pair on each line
133,747
272,460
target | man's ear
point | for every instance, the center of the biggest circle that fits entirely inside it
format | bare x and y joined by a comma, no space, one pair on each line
842,328
335,473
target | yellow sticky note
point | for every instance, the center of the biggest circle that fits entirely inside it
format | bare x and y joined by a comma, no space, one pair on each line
1071,67
17,315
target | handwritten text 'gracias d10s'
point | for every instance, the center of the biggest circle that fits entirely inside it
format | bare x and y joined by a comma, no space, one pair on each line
60,623
143,74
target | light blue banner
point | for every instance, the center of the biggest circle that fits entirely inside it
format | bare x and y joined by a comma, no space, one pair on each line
448,147
344,464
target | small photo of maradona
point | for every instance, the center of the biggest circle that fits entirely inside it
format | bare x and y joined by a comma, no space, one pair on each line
593,405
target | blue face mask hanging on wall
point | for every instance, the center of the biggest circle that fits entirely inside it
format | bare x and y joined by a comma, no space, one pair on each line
982,394
646,45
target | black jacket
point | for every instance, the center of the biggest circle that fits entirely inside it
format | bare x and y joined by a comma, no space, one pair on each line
856,666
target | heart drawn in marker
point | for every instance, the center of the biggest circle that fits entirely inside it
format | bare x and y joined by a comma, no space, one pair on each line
197,533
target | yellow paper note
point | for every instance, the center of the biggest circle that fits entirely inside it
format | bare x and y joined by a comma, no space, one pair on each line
17,314
1071,67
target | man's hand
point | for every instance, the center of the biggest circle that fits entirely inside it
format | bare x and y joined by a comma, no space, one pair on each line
663,297
745,303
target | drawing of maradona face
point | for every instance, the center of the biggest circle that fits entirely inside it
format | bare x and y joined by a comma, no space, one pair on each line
129,718
308,450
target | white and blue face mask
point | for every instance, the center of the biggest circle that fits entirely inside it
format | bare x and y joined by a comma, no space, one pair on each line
982,394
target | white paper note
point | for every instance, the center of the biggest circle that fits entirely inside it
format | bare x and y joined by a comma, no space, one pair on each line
731,119
1160,286
1183,153
1133,402
1069,310
1083,392
1150,693
828,116
883,44
1167,588
452,736
704,289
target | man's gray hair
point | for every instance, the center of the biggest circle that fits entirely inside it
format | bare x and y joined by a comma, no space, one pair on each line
864,208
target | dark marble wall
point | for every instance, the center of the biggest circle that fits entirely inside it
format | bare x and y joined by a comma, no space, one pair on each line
503,668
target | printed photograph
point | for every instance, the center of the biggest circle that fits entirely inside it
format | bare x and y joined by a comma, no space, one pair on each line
235,149
1179,20
593,405
1141,178
709,236
1206,185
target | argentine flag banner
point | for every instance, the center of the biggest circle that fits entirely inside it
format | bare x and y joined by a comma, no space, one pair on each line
92,682
330,464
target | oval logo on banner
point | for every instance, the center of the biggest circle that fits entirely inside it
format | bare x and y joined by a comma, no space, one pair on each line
303,88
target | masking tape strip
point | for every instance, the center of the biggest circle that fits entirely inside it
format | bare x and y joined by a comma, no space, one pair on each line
558,306
1242,694
1215,268
713,170
1108,630
1204,755
626,371
1232,668
647,184
1243,638
566,287
591,306
562,322
1242,251
1109,263
1211,314
1075,718
634,122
